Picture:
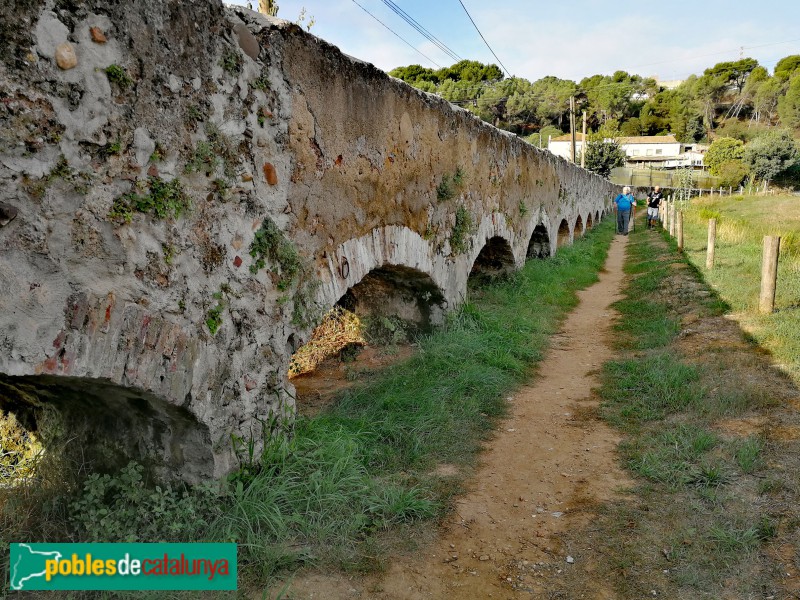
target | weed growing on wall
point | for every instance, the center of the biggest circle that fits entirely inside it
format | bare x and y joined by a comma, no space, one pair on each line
214,315
450,185
158,197
231,62
462,229
117,75
271,246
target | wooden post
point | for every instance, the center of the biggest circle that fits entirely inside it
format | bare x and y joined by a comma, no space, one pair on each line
583,143
672,210
572,127
769,273
679,230
712,242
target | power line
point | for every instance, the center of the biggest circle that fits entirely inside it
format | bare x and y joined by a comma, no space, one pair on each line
398,35
483,38
424,32
661,62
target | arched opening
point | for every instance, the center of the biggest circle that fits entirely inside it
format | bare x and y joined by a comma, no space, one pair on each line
589,222
539,245
369,327
597,216
397,291
578,229
494,259
563,233
92,425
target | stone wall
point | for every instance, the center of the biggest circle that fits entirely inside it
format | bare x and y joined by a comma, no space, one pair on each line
187,188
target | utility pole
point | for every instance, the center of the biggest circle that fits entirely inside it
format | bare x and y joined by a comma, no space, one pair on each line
268,7
572,127
583,143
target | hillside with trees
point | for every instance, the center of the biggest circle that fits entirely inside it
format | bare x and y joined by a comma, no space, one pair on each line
739,99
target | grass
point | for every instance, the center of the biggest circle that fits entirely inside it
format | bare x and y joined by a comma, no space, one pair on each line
356,478
742,221
699,494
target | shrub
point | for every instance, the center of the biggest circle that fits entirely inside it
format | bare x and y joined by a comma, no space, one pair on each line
122,508
770,154
723,150
732,173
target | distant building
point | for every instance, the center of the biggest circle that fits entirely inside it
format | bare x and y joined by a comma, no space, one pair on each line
649,151
668,85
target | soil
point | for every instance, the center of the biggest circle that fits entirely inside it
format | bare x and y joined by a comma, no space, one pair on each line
550,465
317,389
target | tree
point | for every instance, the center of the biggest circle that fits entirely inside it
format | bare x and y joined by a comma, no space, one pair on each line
789,105
765,101
470,70
787,67
552,96
770,154
732,73
722,150
732,172
544,134
414,73
602,156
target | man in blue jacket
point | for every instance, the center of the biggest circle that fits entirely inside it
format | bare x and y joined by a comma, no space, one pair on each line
624,204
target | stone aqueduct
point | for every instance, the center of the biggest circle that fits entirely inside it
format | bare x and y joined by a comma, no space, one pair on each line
147,329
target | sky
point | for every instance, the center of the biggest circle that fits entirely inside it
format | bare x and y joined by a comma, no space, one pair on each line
568,39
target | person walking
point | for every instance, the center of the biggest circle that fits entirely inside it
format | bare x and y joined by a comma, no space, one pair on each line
624,204
654,199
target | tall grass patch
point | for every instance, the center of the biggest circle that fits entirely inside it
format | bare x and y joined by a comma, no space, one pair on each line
743,221
696,483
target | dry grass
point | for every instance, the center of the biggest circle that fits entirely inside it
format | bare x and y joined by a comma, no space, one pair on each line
20,451
338,330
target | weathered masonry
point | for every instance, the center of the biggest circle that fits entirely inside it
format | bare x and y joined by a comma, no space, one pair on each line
185,189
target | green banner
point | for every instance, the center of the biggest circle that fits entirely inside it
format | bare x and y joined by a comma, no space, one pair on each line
123,567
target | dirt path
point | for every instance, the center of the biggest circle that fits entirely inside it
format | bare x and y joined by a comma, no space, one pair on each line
549,464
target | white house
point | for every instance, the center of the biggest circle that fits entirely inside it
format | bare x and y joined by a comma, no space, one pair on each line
560,146
657,151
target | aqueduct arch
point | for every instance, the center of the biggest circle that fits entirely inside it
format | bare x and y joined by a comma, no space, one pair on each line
578,229
564,235
539,244
495,258
397,291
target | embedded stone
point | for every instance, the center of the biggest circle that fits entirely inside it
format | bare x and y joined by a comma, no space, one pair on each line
97,35
65,56
7,213
270,174
237,262
247,41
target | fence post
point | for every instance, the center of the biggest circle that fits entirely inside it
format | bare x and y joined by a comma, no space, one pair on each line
679,230
769,273
712,241
672,211
730,190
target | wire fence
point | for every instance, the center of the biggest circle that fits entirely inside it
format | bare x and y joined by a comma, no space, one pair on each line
700,180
